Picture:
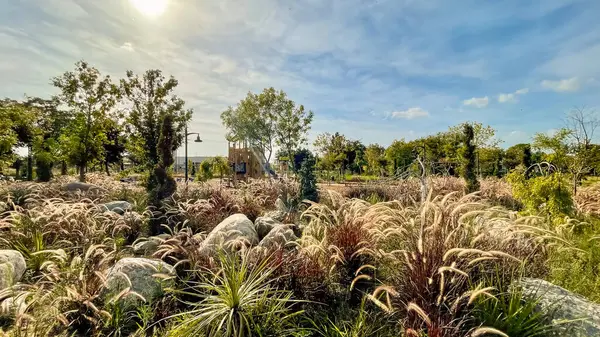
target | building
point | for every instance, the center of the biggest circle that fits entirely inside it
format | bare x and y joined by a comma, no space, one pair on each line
179,165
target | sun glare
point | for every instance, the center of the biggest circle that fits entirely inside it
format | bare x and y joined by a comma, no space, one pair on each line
150,8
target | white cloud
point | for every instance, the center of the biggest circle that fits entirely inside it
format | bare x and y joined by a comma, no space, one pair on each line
127,46
478,102
507,98
512,97
522,91
565,85
411,113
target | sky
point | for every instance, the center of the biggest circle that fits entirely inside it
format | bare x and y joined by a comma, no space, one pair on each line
374,70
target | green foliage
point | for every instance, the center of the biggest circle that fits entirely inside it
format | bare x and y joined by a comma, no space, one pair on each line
513,314
161,184
219,165
44,162
206,171
374,155
548,194
238,300
90,97
192,168
468,159
152,100
298,158
308,180
267,119
577,269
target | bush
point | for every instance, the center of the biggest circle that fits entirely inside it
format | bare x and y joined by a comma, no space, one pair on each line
308,180
548,195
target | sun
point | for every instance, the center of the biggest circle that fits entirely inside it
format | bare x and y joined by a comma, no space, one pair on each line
150,8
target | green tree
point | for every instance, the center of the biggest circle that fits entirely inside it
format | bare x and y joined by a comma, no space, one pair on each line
308,180
267,119
90,97
373,155
152,100
400,154
205,171
220,165
192,167
161,184
114,145
468,159
333,149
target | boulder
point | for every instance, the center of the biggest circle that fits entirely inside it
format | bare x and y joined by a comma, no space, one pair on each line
264,225
280,236
79,186
148,278
280,211
12,268
236,229
149,245
562,305
119,207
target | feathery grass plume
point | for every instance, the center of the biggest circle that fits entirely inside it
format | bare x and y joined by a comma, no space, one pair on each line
438,246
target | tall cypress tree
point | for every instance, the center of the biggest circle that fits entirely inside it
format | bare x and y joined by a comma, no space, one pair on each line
468,159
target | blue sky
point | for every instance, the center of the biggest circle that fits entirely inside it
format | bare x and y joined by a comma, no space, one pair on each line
375,70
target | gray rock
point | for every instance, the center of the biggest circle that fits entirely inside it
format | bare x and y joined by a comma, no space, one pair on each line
119,207
12,268
149,245
264,225
236,230
147,277
79,186
280,236
562,305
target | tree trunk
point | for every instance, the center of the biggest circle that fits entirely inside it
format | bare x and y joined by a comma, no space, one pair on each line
575,176
29,164
63,168
82,173
106,168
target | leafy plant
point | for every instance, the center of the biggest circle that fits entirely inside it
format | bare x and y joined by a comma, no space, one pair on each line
237,300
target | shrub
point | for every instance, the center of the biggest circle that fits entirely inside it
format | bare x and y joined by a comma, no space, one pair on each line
468,159
237,300
308,180
548,195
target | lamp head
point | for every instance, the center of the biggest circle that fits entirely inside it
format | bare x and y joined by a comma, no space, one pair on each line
198,140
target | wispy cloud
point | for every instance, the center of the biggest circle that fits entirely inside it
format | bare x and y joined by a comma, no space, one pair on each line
127,46
512,97
565,85
478,102
410,113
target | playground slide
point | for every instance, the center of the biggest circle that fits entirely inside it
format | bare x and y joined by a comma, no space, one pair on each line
266,167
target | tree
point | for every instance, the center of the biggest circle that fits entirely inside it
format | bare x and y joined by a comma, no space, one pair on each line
400,154
193,168
308,180
570,148
299,157
373,155
205,170
17,129
89,96
220,165
333,150
267,119
151,99
114,145
468,159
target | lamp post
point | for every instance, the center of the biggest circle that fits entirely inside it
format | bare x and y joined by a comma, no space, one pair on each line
197,140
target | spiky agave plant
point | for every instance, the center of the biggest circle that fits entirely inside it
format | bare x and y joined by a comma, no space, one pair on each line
237,300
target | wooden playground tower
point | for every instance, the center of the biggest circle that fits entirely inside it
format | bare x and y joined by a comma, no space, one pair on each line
244,162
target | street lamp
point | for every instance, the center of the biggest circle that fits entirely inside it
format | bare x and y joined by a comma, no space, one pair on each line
197,140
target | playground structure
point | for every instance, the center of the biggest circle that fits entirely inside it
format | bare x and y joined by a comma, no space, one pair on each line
246,162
